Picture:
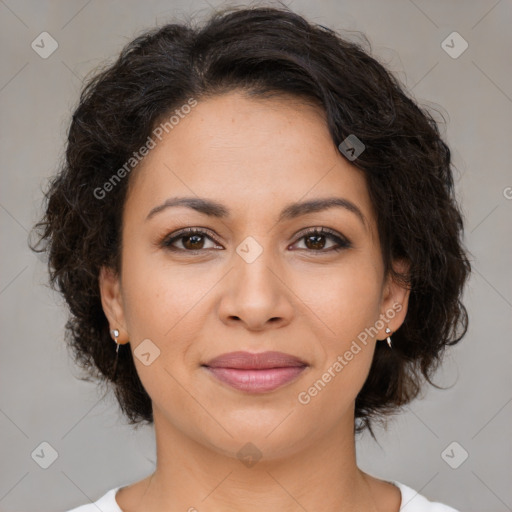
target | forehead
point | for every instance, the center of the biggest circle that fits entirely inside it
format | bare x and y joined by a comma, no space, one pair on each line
248,151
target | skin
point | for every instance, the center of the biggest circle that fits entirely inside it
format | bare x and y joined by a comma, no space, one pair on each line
255,156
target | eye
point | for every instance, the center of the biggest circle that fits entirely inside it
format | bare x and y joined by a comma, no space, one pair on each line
315,240
191,239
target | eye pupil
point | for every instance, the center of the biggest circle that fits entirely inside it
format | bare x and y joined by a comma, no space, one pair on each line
198,239
316,244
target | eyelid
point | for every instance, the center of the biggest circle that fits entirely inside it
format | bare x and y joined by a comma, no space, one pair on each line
196,230
341,240
322,230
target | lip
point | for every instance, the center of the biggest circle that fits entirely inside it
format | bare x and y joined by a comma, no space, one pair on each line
255,372
242,360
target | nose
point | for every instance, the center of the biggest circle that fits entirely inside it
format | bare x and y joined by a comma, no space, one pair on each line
256,295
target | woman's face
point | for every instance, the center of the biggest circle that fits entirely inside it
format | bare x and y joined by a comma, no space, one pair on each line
254,280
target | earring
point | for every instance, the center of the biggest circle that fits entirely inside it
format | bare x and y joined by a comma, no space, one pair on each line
388,339
115,334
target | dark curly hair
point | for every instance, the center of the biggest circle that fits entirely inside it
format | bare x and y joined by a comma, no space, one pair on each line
261,51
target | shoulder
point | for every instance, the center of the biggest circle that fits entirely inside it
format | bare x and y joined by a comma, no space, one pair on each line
412,501
107,503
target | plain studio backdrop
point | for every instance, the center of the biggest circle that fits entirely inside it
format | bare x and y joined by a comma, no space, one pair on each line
453,446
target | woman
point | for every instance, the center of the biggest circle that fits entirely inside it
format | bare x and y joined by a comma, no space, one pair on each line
256,233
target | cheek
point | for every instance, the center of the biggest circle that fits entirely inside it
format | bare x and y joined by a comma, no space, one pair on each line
346,301
159,306
348,309
345,298
163,304
157,297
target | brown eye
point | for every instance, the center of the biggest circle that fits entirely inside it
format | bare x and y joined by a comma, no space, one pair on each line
315,240
190,239
193,242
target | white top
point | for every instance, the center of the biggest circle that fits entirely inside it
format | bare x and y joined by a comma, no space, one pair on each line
411,502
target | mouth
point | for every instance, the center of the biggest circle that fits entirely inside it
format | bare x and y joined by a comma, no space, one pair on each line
255,372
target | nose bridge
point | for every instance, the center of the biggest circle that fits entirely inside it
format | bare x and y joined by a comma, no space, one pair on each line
256,294
253,261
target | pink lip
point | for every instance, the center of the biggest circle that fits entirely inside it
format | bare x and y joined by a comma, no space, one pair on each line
256,373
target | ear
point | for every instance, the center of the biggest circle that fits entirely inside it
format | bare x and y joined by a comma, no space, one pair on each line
395,299
112,302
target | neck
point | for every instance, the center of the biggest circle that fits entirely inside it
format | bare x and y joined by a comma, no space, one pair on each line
322,475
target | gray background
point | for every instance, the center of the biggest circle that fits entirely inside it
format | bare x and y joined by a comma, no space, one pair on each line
42,401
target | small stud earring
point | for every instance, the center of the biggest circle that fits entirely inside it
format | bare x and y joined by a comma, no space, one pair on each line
388,339
115,334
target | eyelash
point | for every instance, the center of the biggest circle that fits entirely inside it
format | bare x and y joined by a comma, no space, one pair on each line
343,243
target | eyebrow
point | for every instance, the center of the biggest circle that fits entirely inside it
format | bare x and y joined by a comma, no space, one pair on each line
291,211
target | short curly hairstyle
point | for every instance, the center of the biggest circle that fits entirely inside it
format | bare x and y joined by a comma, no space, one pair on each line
261,51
